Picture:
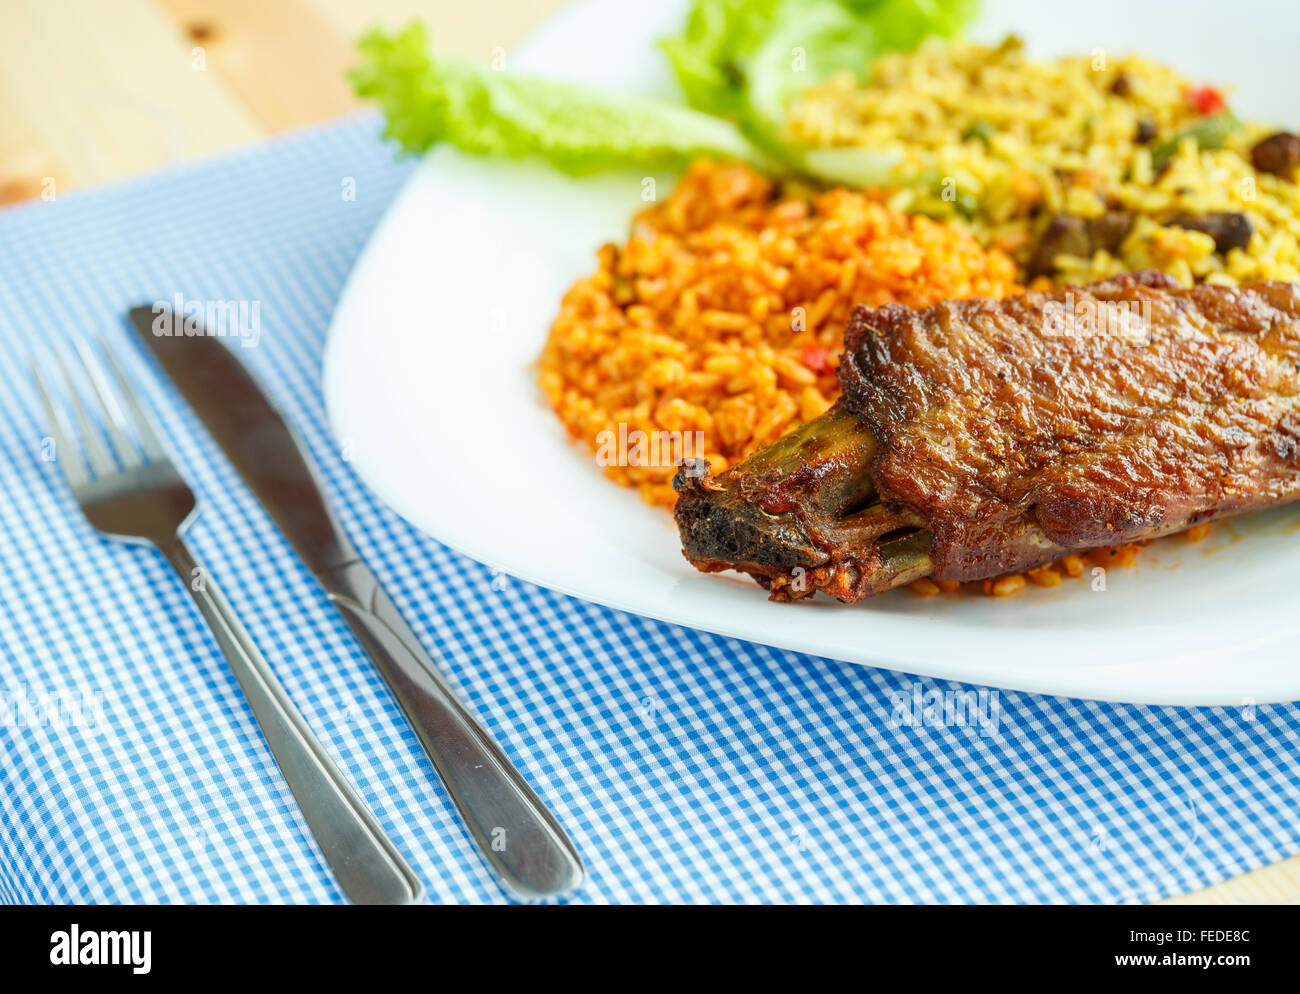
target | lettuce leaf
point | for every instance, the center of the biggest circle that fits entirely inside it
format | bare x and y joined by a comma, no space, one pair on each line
428,98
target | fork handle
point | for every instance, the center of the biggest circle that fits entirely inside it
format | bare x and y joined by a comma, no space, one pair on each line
365,862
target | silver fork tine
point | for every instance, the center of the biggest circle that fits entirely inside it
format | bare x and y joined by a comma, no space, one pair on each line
66,454
143,429
117,423
101,463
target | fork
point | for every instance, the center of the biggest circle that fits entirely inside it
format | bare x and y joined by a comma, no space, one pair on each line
130,490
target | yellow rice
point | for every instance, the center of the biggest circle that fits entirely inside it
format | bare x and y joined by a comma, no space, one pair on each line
1005,142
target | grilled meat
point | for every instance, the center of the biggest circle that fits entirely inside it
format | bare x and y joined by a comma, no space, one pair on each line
980,437
1278,154
1229,229
1067,234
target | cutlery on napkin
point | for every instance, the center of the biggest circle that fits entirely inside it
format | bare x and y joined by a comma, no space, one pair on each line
516,834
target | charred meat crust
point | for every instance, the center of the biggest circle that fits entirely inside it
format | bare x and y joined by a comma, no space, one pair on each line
797,516
981,437
1081,418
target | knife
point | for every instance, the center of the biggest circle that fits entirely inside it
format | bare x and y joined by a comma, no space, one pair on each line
518,837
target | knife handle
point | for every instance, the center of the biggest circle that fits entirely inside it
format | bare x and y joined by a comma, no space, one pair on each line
365,861
518,836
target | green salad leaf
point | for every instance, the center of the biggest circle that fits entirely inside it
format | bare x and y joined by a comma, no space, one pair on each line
740,63
746,59
430,98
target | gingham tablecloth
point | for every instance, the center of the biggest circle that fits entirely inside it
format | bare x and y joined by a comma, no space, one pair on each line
687,767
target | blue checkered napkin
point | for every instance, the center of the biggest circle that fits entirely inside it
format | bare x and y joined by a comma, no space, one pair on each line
687,767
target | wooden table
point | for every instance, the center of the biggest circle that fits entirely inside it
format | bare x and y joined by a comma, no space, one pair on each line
92,91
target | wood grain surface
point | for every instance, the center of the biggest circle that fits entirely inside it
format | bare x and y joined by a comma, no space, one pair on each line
93,91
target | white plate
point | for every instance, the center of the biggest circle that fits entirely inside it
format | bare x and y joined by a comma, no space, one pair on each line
429,381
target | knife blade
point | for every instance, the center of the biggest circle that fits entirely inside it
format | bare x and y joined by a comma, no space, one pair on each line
516,834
